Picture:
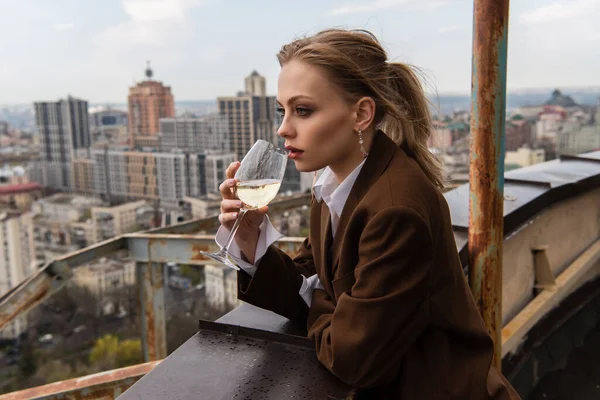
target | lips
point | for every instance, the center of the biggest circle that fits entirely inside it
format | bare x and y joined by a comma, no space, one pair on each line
293,152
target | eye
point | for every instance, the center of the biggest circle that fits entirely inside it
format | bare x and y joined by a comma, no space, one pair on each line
301,111
280,110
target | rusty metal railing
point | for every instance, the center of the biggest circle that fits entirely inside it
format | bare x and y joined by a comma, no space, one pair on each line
486,172
150,250
103,385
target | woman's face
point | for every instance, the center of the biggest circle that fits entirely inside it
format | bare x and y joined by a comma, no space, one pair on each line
318,123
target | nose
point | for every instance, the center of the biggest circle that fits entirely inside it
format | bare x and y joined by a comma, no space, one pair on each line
286,130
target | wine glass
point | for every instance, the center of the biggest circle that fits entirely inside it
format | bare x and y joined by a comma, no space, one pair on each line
260,174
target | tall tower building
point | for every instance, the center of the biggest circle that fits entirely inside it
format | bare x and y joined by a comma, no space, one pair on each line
149,101
256,85
249,118
206,134
64,132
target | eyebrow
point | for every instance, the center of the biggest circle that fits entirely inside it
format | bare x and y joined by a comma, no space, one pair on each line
293,98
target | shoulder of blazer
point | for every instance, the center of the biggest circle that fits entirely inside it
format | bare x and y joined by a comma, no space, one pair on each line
403,183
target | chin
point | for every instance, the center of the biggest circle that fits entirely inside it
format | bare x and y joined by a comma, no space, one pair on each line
301,166
304,166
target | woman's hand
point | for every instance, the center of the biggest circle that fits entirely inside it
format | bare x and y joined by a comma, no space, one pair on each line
249,229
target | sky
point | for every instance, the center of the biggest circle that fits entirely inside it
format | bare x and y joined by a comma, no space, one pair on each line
96,49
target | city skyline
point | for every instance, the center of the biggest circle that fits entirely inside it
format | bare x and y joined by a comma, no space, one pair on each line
96,54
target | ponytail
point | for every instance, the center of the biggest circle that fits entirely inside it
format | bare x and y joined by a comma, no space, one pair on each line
408,120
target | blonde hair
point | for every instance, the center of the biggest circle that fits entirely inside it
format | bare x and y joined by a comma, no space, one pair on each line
357,64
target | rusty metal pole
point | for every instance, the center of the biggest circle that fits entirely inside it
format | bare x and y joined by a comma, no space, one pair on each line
486,172
152,300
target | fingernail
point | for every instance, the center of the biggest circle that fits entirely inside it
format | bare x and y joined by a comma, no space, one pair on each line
234,215
238,204
232,182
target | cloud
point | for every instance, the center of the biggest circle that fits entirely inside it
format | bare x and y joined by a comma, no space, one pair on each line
158,10
63,27
559,11
354,8
151,22
451,28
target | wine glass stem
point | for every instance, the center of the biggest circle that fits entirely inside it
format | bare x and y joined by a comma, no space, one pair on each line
234,229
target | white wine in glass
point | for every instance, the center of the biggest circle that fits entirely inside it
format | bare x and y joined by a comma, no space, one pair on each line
259,178
258,193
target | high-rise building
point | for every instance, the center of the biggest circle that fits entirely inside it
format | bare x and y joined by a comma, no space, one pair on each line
250,115
195,135
256,85
172,178
83,176
216,165
64,130
149,101
108,125
124,175
250,118
16,252
168,177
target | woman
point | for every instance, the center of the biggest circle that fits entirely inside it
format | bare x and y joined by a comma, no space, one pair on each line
378,282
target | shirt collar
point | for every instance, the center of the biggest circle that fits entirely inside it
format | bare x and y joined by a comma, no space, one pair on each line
327,189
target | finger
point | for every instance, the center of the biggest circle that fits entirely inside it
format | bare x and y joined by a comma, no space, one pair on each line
227,217
263,210
225,189
230,206
232,169
259,211
256,216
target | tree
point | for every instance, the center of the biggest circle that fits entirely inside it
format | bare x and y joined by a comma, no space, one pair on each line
129,353
110,353
105,352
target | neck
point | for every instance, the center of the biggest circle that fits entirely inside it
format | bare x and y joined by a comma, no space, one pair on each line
344,168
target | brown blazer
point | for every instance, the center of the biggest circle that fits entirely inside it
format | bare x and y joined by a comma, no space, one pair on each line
396,318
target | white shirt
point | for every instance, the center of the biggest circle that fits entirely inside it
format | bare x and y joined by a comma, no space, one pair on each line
325,189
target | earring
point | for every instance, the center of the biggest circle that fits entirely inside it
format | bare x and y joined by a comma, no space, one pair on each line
361,141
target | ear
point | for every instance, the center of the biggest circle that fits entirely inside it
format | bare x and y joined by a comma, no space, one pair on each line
365,113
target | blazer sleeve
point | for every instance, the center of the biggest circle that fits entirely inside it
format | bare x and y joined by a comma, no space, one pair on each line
277,281
362,339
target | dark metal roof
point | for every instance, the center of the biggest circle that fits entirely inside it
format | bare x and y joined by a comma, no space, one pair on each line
529,191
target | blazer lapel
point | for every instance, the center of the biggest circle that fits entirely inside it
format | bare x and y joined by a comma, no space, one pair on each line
326,243
382,151
321,241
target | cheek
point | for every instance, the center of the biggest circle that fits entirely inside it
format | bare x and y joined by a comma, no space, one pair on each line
330,130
